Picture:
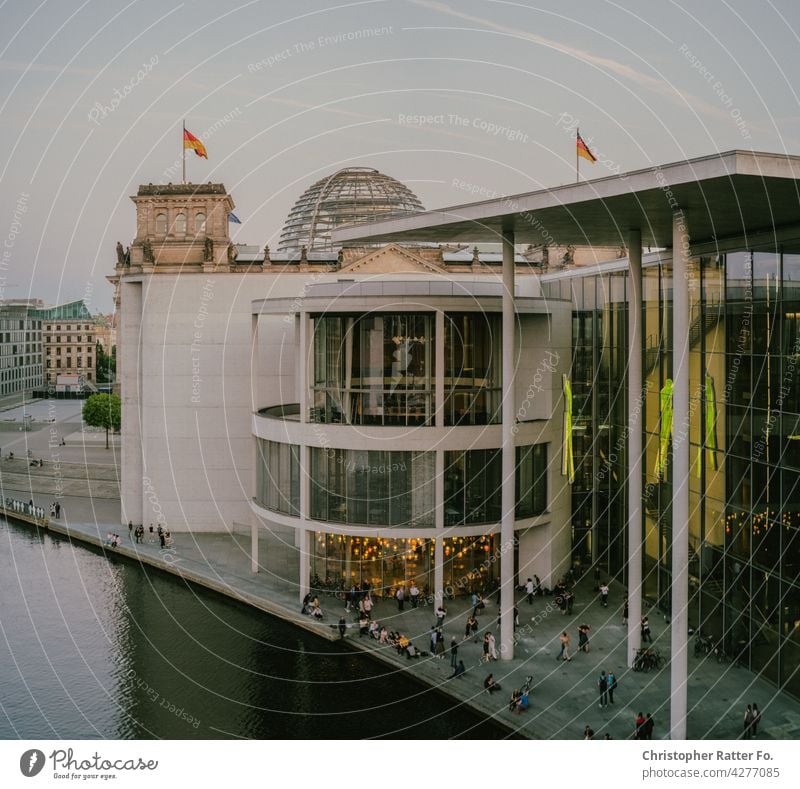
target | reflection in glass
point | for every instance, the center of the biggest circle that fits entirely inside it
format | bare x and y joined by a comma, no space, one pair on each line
473,368
373,488
374,369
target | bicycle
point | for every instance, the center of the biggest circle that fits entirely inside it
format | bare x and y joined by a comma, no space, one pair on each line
703,645
647,659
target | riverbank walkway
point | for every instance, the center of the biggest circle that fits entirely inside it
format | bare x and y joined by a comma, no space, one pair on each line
565,695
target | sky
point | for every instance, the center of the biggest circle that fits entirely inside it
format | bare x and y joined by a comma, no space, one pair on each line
458,99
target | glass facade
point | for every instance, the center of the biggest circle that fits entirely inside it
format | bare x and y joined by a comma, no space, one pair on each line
600,348
473,368
386,563
278,477
373,488
374,369
472,484
744,434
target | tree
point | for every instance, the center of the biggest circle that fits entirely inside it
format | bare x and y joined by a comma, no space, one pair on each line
105,365
103,410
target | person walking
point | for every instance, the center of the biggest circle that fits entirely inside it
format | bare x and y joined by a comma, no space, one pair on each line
564,654
474,628
638,731
453,652
434,636
583,638
748,723
414,594
492,647
612,686
440,648
130,527
342,626
468,627
649,725
756,719
625,611
401,597
529,589
441,613
646,630
588,733
604,594
486,656
602,684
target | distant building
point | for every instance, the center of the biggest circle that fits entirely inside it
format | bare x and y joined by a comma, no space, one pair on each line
105,332
21,367
69,342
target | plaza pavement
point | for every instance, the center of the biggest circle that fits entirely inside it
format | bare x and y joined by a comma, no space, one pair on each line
564,698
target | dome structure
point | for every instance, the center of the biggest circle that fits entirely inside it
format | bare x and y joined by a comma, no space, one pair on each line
354,194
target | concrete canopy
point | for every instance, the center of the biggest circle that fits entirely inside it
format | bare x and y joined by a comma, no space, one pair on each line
725,195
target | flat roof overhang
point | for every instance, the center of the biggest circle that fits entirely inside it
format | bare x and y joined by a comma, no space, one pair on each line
725,195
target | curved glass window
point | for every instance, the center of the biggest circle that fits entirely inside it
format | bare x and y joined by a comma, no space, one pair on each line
200,223
180,224
472,368
374,488
473,480
278,477
531,482
374,369
161,224
472,483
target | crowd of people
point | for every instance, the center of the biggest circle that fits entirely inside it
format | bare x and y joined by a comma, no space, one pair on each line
360,603
160,535
24,508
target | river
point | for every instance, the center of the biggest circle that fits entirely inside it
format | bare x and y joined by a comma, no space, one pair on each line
102,648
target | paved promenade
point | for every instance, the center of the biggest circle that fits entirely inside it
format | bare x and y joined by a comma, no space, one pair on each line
564,699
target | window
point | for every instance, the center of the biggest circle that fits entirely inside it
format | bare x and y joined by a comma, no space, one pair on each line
374,369
161,226
472,486
376,488
531,480
180,224
200,223
279,477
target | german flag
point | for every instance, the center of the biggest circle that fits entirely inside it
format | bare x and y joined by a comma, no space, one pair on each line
190,141
583,150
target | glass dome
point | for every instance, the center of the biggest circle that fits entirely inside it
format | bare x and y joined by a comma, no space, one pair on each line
355,194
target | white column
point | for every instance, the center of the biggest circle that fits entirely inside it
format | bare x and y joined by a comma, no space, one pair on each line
305,362
303,543
507,580
438,554
680,476
255,382
635,410
132,452
439,393
253,543
305,563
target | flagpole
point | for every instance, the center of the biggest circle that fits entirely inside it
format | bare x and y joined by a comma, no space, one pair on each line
183,150
577,158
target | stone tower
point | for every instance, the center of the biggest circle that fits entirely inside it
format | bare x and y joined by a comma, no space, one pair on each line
180,225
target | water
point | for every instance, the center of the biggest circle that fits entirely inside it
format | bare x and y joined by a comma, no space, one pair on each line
92,647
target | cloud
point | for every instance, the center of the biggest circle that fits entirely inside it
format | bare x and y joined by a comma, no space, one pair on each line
657,85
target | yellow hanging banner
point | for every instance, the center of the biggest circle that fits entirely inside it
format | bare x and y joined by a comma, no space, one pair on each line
567,457
666,428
